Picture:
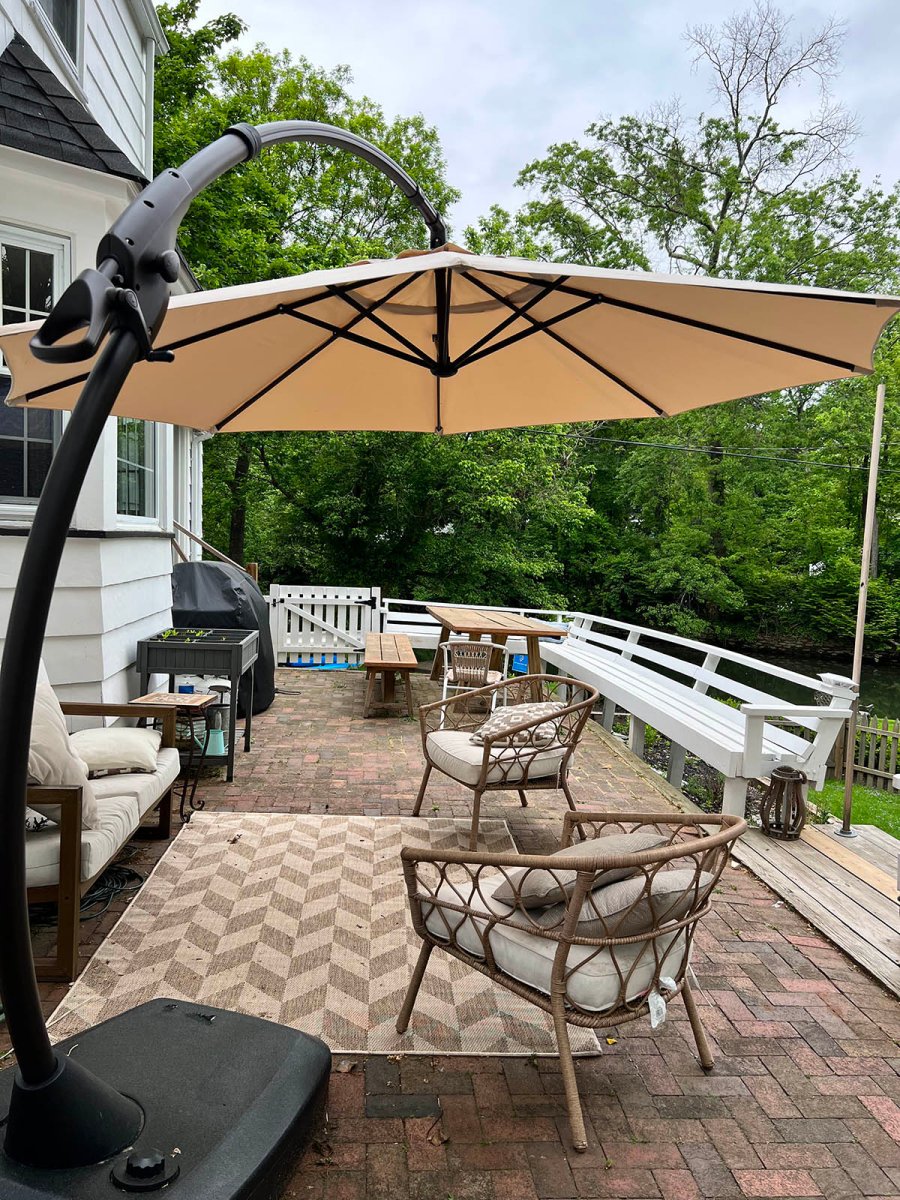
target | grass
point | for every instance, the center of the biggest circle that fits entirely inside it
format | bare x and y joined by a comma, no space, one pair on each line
871,806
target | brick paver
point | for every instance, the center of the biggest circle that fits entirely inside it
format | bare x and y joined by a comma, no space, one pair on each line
804,1100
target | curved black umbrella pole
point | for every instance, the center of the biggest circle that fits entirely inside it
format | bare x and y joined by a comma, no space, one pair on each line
125,297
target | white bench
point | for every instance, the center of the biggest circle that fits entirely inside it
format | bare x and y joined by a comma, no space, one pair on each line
741,742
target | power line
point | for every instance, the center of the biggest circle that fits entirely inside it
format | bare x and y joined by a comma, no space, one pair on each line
716,452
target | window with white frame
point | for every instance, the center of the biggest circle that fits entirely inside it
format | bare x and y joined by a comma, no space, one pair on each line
63,16
136,486
32,270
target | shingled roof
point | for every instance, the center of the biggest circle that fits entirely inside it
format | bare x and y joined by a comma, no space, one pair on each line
39,115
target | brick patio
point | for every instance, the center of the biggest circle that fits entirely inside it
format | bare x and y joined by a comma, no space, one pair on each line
805,1097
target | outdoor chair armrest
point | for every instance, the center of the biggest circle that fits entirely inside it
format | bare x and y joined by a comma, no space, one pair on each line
828,720
707,829
160,712
45,793
795,710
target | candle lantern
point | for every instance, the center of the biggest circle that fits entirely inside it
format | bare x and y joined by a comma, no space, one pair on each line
783,807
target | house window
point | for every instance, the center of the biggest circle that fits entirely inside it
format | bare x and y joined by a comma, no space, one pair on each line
63,16
31,270
136,489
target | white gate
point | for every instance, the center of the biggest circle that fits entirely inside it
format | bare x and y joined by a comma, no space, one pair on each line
321,626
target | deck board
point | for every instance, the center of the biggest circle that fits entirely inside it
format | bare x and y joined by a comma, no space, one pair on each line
848,909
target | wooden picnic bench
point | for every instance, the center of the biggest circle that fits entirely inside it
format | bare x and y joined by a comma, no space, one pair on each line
388,655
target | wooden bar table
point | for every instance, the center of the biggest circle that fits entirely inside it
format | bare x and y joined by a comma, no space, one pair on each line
498,625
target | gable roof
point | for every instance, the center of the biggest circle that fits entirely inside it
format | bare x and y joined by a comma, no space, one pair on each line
38,115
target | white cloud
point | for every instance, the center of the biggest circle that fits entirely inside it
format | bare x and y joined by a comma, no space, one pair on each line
502,79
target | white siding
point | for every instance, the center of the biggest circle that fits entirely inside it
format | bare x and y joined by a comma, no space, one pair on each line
113,74
113,589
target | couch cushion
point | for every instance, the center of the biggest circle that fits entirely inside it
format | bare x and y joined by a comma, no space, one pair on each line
118,818
537,889
116,748
51,760
146,789
594,978
452,752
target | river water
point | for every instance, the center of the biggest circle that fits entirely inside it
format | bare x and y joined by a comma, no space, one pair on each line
879,685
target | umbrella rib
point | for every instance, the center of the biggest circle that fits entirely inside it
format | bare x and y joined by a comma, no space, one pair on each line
368,313
280,378
708,327
468,356
551,333
343,331
228,327
538,327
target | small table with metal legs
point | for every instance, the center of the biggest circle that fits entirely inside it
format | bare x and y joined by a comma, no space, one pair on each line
189,706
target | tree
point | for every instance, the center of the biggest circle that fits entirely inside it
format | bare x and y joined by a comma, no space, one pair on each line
295,208
720,537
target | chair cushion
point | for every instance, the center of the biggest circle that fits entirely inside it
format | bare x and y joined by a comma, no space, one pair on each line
452,752
537,888
118,817
51,760
146,789
492,677
116,748
626,908
507,718
595,976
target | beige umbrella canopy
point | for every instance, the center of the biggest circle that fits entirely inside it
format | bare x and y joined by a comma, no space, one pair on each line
526,343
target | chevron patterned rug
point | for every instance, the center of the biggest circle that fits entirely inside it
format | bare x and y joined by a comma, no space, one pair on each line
304,920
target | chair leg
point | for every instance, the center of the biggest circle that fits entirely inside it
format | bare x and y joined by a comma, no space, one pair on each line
523,798
422,787
476,811
413,990
567,1070
706,1059
564,784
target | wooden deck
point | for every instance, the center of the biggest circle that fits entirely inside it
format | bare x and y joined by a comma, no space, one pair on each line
847,889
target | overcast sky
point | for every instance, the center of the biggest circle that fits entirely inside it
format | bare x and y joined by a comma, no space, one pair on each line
503,79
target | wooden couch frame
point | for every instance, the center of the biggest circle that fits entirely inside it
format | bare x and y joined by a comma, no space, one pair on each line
67,893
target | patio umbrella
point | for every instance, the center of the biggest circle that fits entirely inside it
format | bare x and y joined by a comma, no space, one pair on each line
449,341
442,341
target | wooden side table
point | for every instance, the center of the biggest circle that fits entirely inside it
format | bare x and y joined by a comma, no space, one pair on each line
191,706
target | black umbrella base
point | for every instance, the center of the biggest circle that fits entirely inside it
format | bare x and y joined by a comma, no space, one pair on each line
229,1102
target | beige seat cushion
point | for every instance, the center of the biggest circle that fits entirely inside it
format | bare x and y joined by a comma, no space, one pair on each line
593,983
452,752
492,677
121,802
146,789
118,818
51,759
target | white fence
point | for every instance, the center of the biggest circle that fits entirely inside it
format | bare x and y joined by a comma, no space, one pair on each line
327,626
321,626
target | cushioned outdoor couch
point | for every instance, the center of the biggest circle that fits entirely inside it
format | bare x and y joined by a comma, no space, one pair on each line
82,823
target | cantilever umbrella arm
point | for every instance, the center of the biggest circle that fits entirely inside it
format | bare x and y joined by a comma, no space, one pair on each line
124,301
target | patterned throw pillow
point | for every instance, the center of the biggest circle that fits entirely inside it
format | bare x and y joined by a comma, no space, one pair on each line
507,718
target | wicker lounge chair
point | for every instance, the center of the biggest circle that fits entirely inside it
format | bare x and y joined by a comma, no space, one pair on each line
534,753
590,959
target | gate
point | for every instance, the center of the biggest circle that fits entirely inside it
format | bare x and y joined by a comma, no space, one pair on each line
321,626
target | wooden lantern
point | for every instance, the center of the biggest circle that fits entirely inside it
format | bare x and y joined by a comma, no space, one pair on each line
783,807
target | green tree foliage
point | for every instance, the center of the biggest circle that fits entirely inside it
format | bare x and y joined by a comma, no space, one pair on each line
710,542
714,538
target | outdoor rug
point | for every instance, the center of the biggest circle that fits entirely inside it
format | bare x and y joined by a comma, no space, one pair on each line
304,920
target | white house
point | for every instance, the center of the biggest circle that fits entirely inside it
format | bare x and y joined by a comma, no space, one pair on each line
76,121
